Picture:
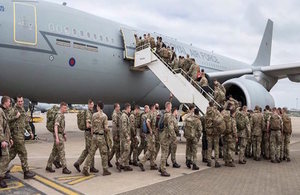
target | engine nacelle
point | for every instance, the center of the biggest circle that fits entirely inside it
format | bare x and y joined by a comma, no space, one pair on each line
294,78
248,92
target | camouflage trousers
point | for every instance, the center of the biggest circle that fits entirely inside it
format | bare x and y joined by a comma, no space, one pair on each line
228,148
157,143
266,144
204,146
58,150
286,139
275,143
116,149
172,151
191,150
150,153
248,151
256,144
125,151
18,148
98,142
143,144
165,142
243,144
88,142
134,149
212,141
4,161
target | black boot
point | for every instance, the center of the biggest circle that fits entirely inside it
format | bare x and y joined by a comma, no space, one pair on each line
28,175
2,183
109,164
188,164
195,167
66,171
50,170
176,165
77,167
94,170
141,167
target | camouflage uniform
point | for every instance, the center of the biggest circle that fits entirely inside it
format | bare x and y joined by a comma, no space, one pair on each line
133,135
173,146
192,72
230,135
257,124
248,152
266,136
212,135
125,139
17,127
219,96
287,131
4,136
155,132
204,140
99,126
143,144
116,124
243,128
275,122
58,149
150,152
203,82
88,140
167,136
187,64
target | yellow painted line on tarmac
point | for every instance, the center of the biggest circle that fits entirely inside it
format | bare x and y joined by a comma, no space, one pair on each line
72,180
81,180
69,177
55,185
12,185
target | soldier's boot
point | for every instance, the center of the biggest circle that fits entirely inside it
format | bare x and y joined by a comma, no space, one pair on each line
154,167
204,160
141,167
94,170
176,165
273,161
288,159
57,164
109,164
278,160
106,172
217,165
135,163
7,176
28,175
117,164
50,170
130,162
230,164
77,167
85,172
188,164
284,158
2,183
195,167
242,162
127,168
226,164
167,164
66,171
165,174
258,159
209,164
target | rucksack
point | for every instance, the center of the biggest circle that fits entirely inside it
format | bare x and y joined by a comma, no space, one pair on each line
81,120
240,122
161,124
275,122
51,115
144,126
188,127
228,123
219,123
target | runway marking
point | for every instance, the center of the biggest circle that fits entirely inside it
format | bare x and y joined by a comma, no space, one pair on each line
12,185
72,180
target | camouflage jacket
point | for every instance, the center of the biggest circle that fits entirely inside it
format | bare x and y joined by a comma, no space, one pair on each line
243,119
60,122
18,125
266,115
197,126
125,127
287,124
133,125
175,123
153,116
4,127
89,116
257,123
99,122
192,72
116,123
203,82
169,129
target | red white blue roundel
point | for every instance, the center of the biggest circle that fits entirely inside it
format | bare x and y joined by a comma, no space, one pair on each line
72,62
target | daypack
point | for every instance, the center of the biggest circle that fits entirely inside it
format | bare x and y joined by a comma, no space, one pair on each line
275,122
219,123
161,124
228,123
51,115
188,127
287,124
145,127
240,122
81,120
157,120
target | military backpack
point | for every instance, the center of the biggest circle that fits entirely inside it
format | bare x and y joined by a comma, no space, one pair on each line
51,115
81,120
287,124
275,122
228,123
219,123
161,121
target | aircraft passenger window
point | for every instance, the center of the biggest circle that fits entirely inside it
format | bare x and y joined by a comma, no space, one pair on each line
112,40
107,39
67,30
81,33
74,31
51,27
88,35
101,39
95,36
58,28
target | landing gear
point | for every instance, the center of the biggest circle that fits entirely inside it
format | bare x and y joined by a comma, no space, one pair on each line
31,108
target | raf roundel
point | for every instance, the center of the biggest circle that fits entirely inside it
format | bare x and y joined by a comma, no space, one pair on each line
72,62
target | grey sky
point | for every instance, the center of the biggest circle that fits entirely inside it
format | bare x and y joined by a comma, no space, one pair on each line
232,28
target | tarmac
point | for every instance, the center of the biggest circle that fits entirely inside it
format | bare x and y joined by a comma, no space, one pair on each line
252,178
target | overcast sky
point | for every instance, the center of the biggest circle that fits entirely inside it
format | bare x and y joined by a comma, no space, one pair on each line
232,28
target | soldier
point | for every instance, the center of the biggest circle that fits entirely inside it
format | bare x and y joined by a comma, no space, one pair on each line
173,146
133,135
275,126
212,135
233,102
230,135
287,131
18,122
158,44
146,39
88,139
125,132
166,137
266,134
137,41
248,152
5,140
243,128
59,139
192,72
187,63
257,125
154,115
151,41
219,96
217,84
116,124
188,134
99,126
147,124
204,140
175,63
143,144
180,62
203,82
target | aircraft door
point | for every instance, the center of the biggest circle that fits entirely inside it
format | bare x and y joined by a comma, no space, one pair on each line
25,23
129,43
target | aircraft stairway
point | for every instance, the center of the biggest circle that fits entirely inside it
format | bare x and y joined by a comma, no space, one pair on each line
183,87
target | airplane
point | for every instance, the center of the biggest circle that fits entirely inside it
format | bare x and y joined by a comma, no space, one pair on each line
52,53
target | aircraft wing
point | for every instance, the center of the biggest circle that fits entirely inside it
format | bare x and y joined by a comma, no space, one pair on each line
281,71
